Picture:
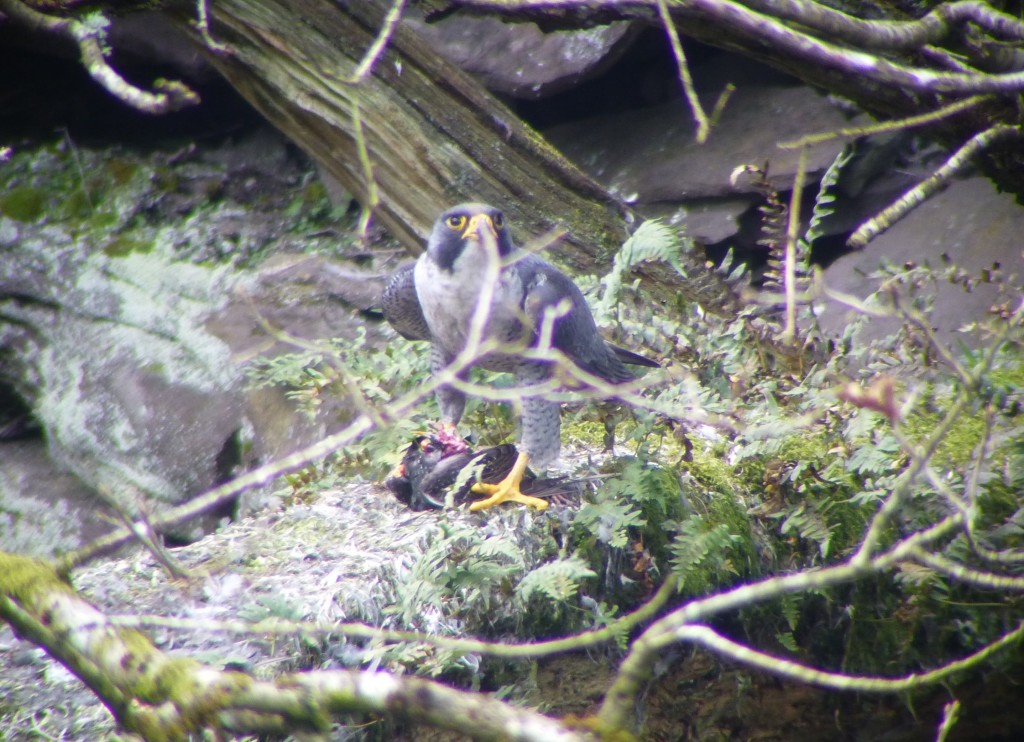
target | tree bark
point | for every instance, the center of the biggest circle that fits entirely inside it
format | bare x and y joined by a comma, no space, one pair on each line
434,135
163,697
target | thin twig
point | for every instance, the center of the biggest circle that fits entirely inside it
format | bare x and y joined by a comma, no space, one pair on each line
369,180
685,79
792,235
931,185
636,667
886,127
90,38
202,25
975,577
276,626
950,716
387,29
709,638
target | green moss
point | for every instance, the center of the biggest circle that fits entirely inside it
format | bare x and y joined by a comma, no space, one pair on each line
805,448
708,466
21,577
588,433
156,676
76,206
956,448
125,244
24,203
104,219
314,192
121,171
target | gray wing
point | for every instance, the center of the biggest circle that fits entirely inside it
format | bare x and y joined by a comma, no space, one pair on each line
575,333
401,306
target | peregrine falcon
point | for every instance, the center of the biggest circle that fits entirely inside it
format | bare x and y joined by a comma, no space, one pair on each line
533,309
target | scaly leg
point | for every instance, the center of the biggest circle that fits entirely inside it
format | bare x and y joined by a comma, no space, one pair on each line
507,490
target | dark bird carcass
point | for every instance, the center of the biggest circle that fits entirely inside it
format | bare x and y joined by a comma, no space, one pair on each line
439,466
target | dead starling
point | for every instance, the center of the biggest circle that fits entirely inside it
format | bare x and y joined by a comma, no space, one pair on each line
432,464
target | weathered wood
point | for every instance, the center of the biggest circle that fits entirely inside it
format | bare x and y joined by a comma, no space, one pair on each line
435,136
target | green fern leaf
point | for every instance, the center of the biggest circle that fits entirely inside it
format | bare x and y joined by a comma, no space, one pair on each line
557,581
652,241
823,202
786,639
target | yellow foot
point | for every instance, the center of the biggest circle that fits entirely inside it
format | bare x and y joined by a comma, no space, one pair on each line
507,490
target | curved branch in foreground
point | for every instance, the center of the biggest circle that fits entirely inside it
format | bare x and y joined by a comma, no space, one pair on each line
171,95
848,60
824,22
930,28
711,639
161,697
636,667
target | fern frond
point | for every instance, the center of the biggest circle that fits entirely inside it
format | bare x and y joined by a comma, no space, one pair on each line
823,202
700,555
609,521
733,274
557,581
502,546
652,241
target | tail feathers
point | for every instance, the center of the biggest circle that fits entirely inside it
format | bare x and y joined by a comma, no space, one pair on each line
633,359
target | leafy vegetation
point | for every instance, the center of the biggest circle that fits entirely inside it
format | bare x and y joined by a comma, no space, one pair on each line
739,466
731,467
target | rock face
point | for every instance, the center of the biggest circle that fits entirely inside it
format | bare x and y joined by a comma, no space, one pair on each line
651,155
122,363
519,59
129,348
42,508
969,225
651,159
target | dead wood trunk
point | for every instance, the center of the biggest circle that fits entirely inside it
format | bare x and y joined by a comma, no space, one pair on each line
434,135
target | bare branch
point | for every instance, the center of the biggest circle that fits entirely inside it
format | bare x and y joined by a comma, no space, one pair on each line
885,127
636,667
894,35
709,638
932,185
792,235
90,36
703,126
766,20
376,49
987,580
534,649
950,716
147,690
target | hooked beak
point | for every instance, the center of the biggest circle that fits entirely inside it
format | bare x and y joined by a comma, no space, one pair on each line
477,225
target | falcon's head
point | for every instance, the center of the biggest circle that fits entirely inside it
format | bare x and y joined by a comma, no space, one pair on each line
464,227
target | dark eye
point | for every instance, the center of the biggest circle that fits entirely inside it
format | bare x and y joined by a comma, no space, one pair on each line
456,222
498,219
